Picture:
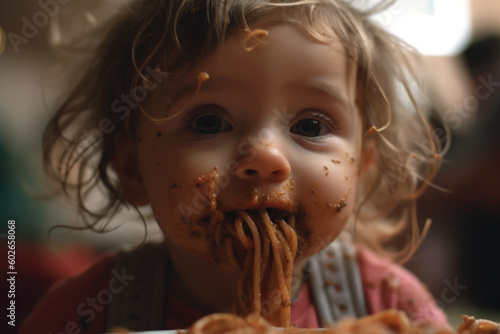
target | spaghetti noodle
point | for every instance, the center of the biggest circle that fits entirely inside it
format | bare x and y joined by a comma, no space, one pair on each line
385,322
229,323
265,278
253,38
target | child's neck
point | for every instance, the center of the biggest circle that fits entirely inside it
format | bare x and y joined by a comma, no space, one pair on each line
199,284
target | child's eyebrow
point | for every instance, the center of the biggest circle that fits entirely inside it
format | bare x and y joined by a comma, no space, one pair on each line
315,86
217,83
325,87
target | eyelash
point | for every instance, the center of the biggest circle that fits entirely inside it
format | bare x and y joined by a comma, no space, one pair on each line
322,116
202,111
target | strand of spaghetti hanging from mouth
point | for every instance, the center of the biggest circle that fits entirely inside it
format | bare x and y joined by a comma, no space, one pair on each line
265,277
261,245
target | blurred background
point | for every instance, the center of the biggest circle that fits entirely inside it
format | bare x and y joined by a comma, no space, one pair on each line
460,40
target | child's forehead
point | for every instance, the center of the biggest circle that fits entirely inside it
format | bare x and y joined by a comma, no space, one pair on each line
277,55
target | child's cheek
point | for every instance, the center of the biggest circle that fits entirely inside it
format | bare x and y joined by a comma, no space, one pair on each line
180,212
321,229
327,209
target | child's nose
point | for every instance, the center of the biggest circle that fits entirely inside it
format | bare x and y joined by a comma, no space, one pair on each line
266,163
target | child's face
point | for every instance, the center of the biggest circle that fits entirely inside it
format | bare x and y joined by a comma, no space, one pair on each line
279,122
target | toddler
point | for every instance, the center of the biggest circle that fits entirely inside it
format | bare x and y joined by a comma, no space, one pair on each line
281,147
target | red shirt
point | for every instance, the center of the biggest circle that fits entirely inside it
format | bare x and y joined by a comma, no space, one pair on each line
386,286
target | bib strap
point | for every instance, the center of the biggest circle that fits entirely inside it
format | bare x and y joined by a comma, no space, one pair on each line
336,283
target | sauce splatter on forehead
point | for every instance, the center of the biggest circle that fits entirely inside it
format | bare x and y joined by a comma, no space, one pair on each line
202,77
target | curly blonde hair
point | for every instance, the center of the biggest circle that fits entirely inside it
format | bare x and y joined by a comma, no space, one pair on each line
175,35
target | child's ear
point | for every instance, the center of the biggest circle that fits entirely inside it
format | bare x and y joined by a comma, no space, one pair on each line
368,156
126,164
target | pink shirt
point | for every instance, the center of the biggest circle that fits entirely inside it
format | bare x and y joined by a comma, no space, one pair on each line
62,309
390,286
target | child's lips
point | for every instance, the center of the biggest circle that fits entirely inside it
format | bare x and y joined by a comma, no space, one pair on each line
255,198
286,207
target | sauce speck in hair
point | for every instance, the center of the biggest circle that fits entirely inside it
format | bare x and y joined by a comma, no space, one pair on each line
371,130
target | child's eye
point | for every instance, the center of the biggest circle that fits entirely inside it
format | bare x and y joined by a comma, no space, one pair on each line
206,120
316,125
208,124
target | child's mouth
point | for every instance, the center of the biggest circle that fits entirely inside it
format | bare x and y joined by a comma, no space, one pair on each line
227,229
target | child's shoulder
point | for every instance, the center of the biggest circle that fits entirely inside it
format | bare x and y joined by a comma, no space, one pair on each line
390,286
74,302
